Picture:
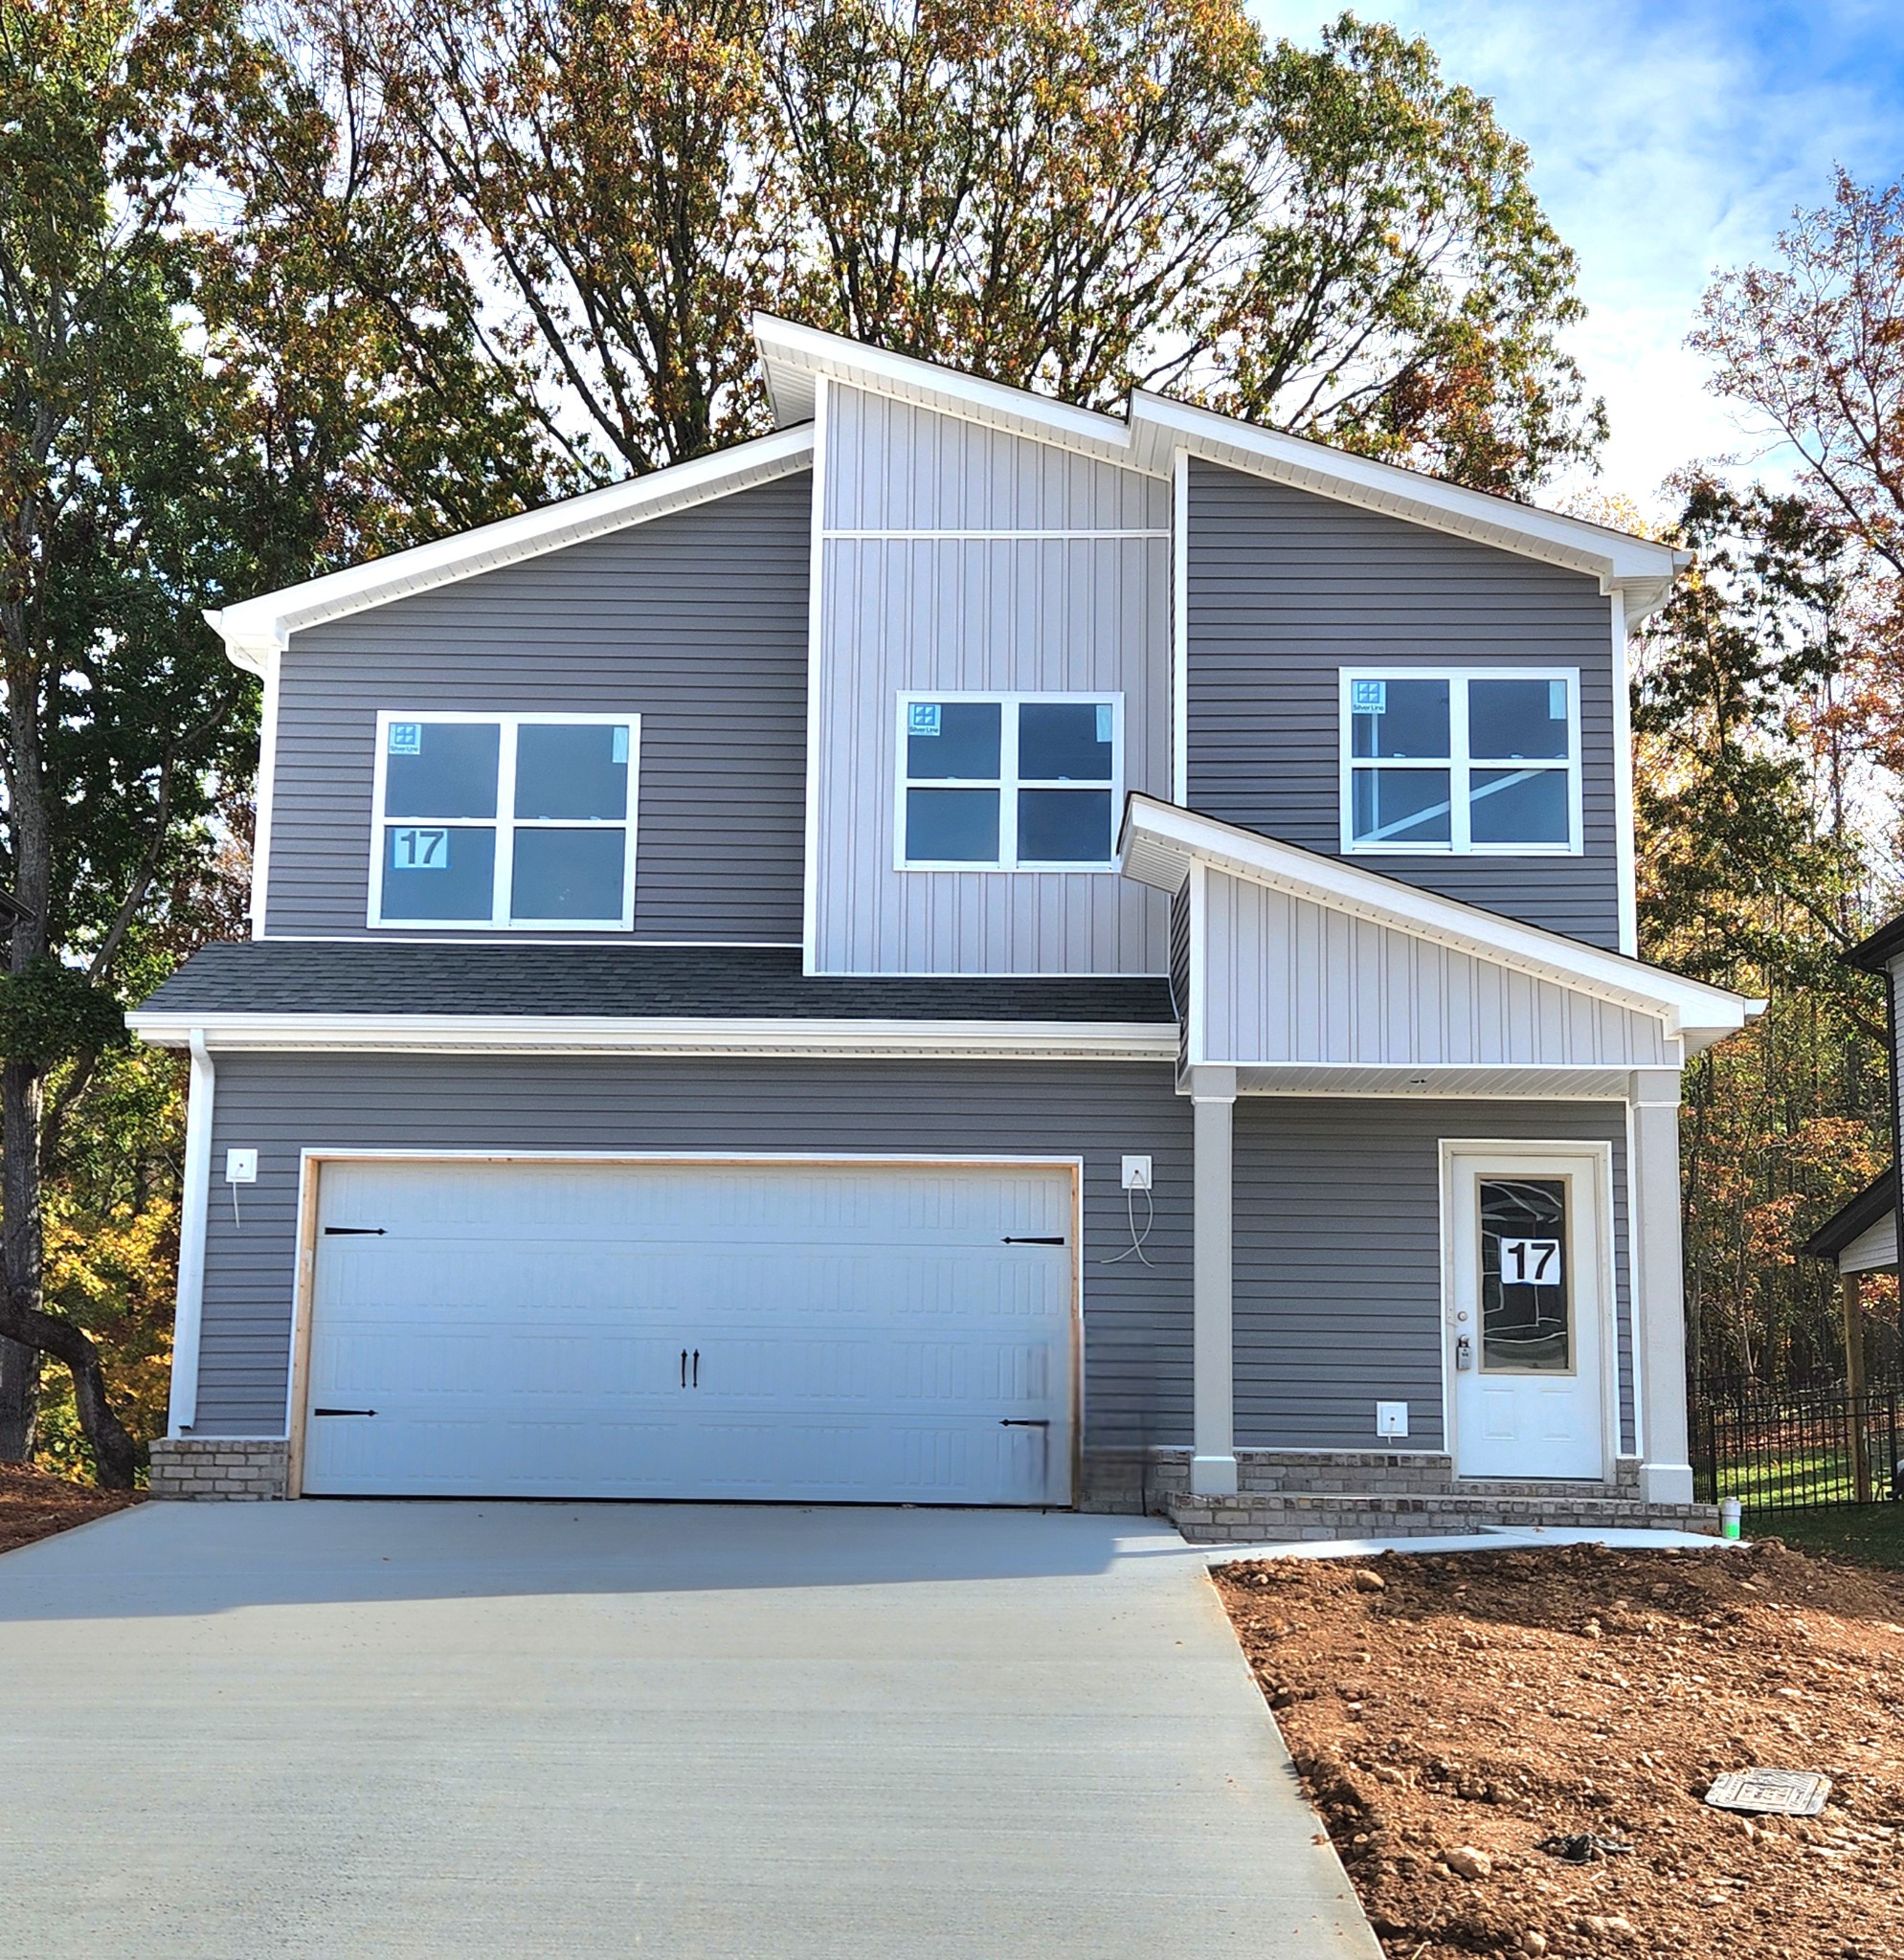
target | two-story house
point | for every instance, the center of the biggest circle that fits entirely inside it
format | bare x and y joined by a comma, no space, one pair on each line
964,951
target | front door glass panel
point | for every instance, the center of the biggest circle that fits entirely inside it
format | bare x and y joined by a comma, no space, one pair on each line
1525,1288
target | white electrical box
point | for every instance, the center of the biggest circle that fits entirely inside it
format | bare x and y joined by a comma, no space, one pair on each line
240,1167
1391,1418
1136,1173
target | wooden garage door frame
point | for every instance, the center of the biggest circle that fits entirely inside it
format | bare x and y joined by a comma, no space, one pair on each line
310,1173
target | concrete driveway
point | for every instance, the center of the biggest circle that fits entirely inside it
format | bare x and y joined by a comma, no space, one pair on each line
365,1729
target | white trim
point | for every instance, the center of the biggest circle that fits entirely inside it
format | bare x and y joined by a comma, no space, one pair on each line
1179,627
264,801
1460,762
1626,816
816,659
870,535
194,1206
253,627
1470,1158
1008,782
593,1035
505,823
1160,842
456,934
796,358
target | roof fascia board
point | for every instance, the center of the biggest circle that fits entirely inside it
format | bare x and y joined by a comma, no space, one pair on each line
789,351
1160,841
1640,570
605,1034
253,629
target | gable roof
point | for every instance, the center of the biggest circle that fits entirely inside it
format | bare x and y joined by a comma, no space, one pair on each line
255,629
1853,1218
1875,954
1160,841
1156,429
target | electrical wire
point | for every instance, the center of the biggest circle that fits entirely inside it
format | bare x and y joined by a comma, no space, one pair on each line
1135,1249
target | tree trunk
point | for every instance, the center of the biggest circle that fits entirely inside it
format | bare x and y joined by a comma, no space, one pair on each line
19,1256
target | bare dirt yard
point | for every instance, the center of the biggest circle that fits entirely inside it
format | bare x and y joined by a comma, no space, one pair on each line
35,1505
1449,1713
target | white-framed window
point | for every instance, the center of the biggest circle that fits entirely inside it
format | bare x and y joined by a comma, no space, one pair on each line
1008,782
516,821
1479,760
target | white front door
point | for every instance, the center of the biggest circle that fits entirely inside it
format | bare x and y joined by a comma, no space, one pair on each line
1528,1298
844,1331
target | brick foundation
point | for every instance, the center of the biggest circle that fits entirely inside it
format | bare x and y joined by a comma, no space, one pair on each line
1294,1496
220,1467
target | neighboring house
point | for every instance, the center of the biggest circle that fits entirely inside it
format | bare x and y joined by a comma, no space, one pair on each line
1863,1236
966,950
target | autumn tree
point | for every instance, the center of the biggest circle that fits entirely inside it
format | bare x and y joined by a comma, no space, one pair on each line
1074,195
1810,349
1755,872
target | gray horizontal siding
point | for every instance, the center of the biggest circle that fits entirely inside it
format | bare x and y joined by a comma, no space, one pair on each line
1338,1296
1136,1317
697,621
1286,588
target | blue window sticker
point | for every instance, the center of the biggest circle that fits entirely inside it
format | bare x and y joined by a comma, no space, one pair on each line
406,738
419,850
1556,701
618,747
1104,719
922,718
1368,697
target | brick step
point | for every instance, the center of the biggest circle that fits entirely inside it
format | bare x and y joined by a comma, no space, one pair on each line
1267,1517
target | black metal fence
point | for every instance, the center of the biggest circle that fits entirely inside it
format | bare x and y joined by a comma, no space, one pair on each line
1801,1451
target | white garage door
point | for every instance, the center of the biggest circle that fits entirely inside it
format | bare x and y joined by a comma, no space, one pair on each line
862,1332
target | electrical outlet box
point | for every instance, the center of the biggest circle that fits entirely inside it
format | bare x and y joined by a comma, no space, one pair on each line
240,1167
1391,1418
1136,1173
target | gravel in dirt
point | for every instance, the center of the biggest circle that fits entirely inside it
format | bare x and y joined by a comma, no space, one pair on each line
35,1505
1449,1713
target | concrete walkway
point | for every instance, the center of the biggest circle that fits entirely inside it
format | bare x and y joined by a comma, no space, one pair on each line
370,1729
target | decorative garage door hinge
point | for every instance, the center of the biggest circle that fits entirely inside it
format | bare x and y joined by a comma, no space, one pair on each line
1031,1241
354,1231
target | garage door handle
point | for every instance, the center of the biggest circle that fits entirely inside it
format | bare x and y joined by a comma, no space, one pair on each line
354,1231
1031,1241
343,1411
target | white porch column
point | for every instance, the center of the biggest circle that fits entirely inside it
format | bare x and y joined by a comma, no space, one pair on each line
1659,1309
1213,1105
194,1201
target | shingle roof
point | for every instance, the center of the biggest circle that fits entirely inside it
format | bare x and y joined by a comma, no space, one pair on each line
370,977
1853,1219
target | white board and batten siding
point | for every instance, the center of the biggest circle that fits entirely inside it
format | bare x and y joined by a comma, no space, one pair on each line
1284,980
1055,578
824,1331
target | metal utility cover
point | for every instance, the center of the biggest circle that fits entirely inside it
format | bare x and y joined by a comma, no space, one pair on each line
1776,1793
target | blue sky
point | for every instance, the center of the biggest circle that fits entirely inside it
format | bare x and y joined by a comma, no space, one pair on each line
1668,140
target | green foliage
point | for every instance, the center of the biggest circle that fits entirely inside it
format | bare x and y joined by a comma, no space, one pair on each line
50,1012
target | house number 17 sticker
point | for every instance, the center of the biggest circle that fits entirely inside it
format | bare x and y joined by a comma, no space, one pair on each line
419,850
1531,1261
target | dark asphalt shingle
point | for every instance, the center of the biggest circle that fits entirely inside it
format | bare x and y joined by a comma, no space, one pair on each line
366,977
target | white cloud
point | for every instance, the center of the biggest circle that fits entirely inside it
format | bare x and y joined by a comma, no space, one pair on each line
1668,141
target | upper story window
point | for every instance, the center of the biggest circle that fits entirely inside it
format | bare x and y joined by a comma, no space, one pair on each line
1484,759
507,820
1009,782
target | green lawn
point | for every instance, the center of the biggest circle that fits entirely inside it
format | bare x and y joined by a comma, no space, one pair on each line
1873,1534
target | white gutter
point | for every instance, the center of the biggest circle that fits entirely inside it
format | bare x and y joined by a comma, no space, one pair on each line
194,1203
592,1035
